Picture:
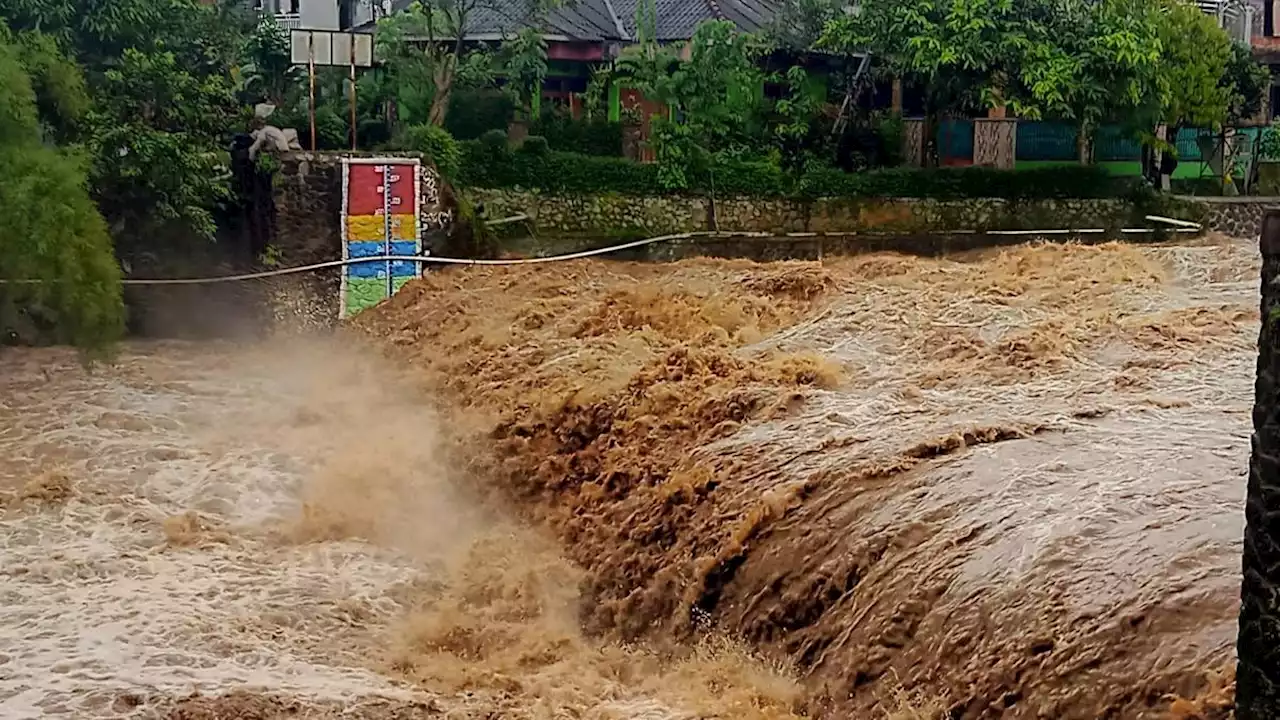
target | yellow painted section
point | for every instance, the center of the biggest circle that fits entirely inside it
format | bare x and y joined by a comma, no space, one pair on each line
370,227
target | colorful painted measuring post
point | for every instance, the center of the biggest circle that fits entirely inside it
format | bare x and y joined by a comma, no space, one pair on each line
380,198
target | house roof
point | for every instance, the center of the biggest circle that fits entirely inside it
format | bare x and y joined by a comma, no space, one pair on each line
611,20
677,19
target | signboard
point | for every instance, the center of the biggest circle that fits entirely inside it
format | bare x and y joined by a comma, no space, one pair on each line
331,47
380,199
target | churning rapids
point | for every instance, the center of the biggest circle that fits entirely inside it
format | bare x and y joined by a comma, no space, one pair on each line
1001,485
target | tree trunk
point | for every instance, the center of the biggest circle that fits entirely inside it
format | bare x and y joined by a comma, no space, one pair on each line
1084,144
444,88
930,155
1258,645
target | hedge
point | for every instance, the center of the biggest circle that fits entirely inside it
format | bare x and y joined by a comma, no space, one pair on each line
589,137
1068,181
487,163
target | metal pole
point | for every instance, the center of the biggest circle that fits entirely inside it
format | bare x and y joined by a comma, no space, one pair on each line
311,77
386,221
352,47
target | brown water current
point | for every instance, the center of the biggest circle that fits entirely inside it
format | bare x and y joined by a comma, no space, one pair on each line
1004,485
1010,483
208,531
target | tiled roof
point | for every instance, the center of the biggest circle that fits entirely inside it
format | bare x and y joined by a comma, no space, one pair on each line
614,20
677,19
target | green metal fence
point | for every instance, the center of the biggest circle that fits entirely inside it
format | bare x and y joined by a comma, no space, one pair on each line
1055,141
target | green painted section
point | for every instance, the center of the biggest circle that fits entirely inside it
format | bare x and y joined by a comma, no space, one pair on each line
1184,171
364,293
535,104
615,102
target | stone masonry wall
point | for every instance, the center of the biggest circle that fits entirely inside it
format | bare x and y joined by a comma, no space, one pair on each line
1235,216
612,214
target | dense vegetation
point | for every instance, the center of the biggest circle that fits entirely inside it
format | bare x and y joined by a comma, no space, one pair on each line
116,115
490,163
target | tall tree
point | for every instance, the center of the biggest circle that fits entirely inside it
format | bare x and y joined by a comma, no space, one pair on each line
50,231
159,74
715,93
425,47
966,54
1102,65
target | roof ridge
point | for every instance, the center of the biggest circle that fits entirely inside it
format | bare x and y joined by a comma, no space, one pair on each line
617,21
714,5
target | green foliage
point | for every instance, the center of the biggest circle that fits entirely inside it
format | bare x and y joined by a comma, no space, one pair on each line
595,136
476,111
888,129
153,131
715,93
968,54
1101,64
1269,143
163,97
573,173
267,72
797,111
423,50
797,25
1073,181
535,145
435,144
486,163
523,63
50,230
1249,80
1194,56
495,142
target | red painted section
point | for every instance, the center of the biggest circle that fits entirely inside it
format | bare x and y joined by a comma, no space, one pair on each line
364,190
586,52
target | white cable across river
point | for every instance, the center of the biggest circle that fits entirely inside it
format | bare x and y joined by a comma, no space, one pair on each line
1180,226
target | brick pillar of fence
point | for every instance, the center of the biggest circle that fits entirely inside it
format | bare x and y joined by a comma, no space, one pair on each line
995,142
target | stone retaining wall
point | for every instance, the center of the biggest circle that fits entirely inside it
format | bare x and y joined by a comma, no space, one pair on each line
1235,216
612,214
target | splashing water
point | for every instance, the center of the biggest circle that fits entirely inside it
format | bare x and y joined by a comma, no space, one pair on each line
279,521
1010,482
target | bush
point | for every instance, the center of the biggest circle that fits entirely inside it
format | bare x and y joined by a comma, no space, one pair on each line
435,144
475,112
484,165
1074,181
1269,143
589,137
487,165
535,145
494,141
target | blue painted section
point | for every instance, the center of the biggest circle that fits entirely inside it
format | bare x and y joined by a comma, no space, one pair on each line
399,268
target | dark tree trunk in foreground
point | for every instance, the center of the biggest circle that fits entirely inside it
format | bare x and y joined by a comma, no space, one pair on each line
1258,646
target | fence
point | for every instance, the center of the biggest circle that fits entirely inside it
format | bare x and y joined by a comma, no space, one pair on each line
1053,141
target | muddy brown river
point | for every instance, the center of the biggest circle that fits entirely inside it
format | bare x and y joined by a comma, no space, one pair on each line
1001,485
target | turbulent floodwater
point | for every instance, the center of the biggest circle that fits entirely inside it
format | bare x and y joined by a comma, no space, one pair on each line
277,522
1004,485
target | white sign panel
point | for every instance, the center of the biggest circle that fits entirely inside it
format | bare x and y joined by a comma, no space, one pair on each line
330,47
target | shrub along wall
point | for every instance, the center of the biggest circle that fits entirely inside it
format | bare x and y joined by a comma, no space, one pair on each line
488,163
576,194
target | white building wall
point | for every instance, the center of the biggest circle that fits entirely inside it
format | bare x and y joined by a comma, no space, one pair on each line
318,14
